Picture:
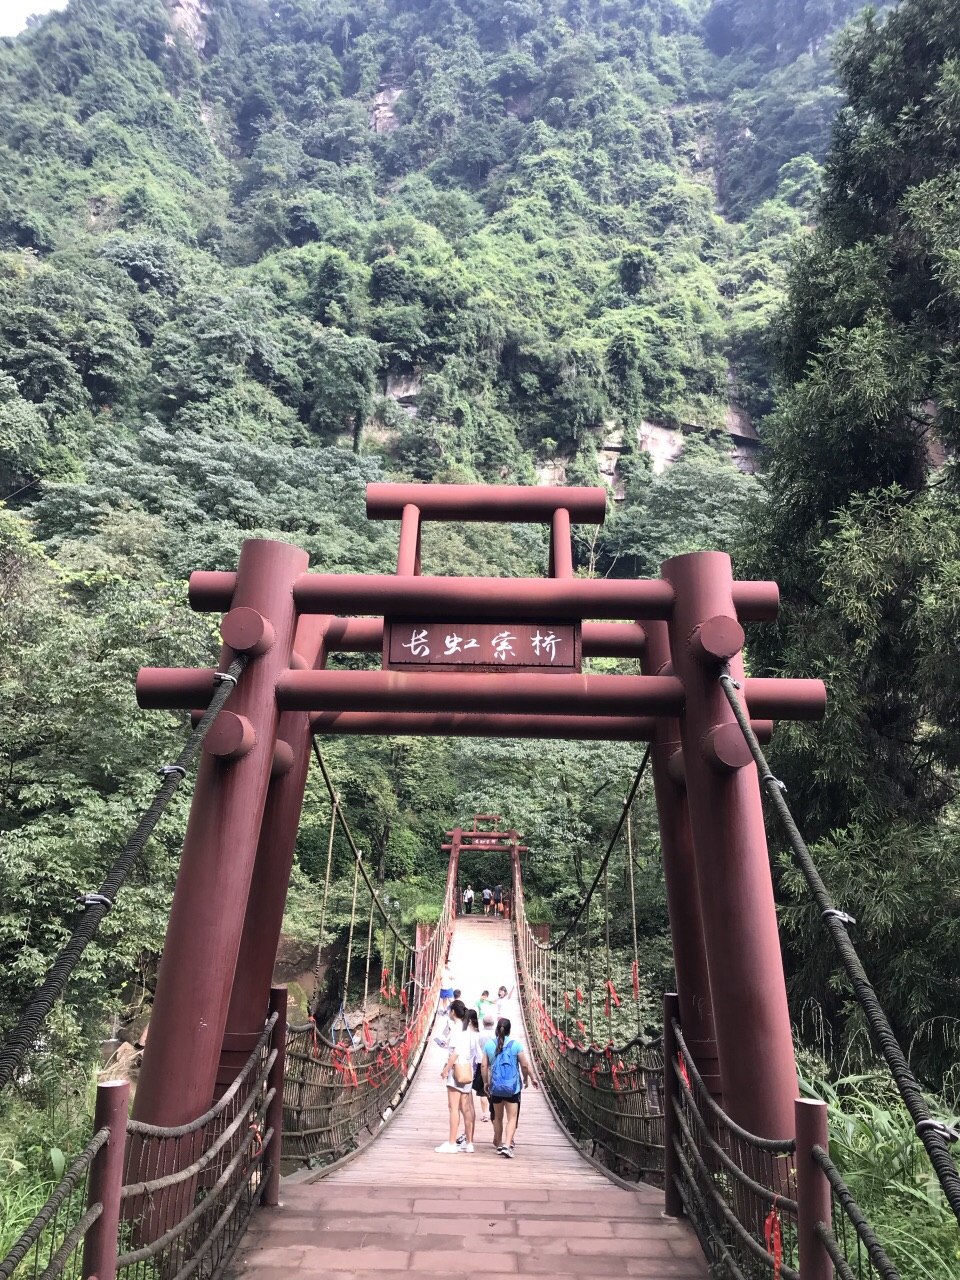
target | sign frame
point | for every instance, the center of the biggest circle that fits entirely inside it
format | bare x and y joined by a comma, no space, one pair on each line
461,625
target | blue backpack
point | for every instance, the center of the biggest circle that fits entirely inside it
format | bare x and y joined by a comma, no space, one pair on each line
504,1072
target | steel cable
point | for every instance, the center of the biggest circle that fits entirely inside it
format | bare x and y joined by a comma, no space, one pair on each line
934,1135
96,905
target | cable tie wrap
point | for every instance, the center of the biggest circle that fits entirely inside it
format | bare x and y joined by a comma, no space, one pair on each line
768,777
833,913
945,1131
224,677
725,675
95,900
166,770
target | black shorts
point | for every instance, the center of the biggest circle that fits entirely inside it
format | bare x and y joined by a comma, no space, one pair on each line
506,1097
478,1085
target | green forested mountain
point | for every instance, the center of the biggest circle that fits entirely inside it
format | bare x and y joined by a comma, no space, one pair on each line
254,255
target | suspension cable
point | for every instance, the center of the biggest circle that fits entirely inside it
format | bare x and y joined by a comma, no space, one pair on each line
572,924
934,1134
96,905
358,856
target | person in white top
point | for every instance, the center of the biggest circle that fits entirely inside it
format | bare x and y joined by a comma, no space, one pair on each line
503,1000
460,1062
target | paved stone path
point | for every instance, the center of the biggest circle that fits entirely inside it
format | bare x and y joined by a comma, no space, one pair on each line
400,1207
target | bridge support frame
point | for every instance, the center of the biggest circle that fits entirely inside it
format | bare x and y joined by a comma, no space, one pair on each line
210,901
741,940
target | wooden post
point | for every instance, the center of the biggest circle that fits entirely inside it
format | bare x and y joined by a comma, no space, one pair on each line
106,1180
274,1116
813,1189
672,1202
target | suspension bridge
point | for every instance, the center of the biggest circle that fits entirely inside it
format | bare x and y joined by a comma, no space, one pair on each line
260,1146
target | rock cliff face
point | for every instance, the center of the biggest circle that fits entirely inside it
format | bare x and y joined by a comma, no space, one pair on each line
190,18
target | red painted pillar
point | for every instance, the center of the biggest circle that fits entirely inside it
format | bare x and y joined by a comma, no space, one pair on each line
752,1021
106,1180
206,919
680,874
814,1205
271,873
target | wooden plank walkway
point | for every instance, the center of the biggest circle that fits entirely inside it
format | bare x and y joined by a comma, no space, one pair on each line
399,1206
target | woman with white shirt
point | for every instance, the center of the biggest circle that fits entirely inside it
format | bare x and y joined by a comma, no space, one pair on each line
464,1051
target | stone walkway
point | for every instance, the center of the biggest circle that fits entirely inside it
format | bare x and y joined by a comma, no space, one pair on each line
400,1207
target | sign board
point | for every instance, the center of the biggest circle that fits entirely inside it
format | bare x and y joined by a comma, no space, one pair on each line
481,646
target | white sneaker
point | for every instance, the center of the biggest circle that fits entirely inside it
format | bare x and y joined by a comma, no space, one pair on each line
447,1148
468,1148
461,1140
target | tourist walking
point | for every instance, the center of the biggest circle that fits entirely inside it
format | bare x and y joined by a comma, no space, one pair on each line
457,1075
505,1060
446,988
498,900
487,896
467,900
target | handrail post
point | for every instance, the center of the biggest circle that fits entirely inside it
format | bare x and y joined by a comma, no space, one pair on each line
672,1201
813,1189
106,1180
274,1116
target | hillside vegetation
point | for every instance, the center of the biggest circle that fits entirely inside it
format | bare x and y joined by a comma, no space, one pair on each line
255,255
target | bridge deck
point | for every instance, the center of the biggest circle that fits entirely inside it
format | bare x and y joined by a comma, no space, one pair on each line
399,1206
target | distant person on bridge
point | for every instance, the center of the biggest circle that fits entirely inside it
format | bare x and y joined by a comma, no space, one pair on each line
503,999
487,896
457,1075
485,1006
504,1061
467,900
498,899
446,988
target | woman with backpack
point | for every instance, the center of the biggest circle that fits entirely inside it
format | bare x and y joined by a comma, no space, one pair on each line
504,1061
457,1075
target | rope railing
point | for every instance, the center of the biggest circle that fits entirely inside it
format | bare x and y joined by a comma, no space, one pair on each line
609,1096
48,1247
738,1190
189,1190
935,1135
23,1036
344,1079
851,1243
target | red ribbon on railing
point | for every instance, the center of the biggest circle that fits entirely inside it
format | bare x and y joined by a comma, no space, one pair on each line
316,1039
403,999
255,1130
636,981
579,995
367,1037
593,1076
612,992
384,985
774,1237
583,1029
683,1070
614,1068
343,1066
566,1001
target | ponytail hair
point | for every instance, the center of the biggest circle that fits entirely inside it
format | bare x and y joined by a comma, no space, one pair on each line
503,1030
471,1020
458,1009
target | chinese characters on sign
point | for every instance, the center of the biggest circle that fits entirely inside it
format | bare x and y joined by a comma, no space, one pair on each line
483,644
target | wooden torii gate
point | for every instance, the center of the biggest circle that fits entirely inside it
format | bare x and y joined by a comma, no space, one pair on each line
477,657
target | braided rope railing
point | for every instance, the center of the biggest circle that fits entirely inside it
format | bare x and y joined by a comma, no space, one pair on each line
862,1256
738,1190
609,1096
48,1246
343,1084
189,1190
23,1036
934,1134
